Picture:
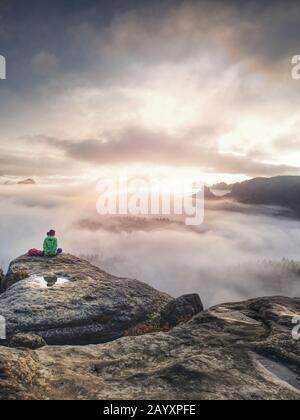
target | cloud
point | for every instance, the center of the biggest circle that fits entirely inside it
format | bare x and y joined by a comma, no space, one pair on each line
44,62
162,68
197,147
39,164
288,143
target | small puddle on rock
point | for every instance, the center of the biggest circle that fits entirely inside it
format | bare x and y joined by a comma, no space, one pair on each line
277,371
48,281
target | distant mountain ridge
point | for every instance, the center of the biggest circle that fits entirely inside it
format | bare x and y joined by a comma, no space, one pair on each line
281,190
222,186
28,181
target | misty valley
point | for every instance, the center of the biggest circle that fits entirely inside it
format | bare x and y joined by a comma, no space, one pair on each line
241,250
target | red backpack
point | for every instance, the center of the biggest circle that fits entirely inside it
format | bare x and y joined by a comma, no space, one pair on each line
35,253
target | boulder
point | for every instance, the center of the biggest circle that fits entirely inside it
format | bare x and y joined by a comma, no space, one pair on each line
66,300
181,310
235,351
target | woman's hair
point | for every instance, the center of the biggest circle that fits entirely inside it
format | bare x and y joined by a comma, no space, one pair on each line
51,232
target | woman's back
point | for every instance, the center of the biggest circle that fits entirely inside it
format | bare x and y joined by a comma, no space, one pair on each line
50,245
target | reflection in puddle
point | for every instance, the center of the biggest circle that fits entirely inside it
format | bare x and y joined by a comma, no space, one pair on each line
277,372
48,281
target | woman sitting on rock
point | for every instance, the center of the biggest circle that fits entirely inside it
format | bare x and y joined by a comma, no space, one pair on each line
50,245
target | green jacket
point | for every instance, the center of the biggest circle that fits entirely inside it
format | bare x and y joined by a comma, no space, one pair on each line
50,246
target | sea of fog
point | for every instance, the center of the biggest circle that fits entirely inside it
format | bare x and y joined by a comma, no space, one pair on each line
236,254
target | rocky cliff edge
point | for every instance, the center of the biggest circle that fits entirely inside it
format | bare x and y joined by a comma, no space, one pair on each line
148,344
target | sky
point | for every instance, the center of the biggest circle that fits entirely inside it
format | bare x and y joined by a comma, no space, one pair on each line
198,87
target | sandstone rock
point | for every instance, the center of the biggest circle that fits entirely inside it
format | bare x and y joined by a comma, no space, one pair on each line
28,341
181,310
2,278
233,351
66,300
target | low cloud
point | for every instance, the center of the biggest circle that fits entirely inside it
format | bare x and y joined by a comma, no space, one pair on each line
219,260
